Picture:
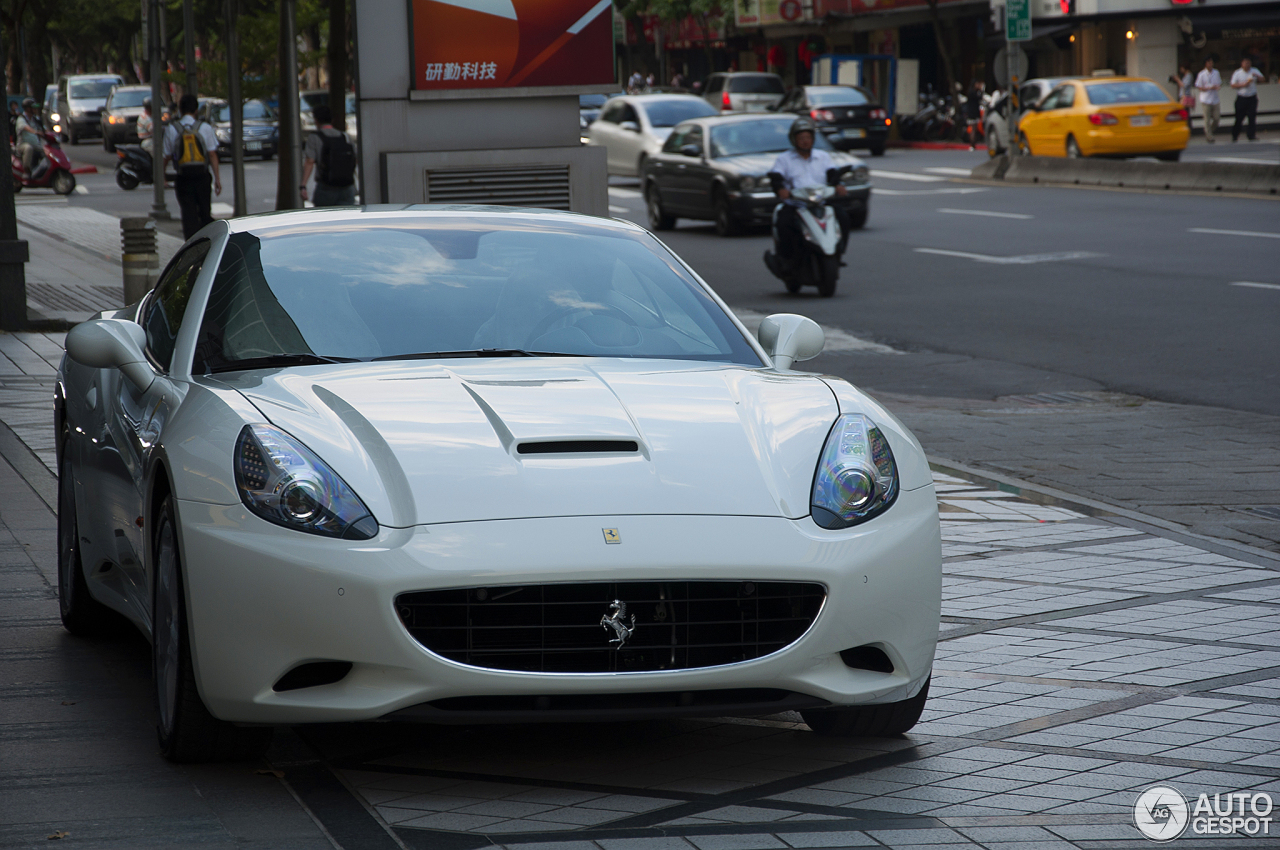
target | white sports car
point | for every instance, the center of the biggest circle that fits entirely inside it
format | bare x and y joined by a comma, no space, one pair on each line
474,464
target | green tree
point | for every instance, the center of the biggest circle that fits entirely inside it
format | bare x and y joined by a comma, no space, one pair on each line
705,13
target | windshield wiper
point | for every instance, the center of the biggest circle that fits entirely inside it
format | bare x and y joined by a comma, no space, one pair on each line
478,352
273,360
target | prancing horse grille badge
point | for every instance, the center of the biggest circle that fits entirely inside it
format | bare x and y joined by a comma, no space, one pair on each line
617,620
611,535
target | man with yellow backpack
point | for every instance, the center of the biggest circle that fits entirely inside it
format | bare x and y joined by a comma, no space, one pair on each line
192,147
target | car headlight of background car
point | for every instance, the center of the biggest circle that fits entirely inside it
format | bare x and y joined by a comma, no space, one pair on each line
861,174
283,482
747,183
857,478
223,135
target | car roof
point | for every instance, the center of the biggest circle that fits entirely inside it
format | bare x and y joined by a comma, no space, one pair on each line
335,217
132,87
651,98
745,74
1094,81
718,120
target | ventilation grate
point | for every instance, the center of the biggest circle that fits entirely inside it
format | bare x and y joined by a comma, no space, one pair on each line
545,186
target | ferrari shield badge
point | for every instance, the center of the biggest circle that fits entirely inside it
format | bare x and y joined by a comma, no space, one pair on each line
617,620
611,535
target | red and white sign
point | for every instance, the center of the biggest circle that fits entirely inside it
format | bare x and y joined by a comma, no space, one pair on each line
491,44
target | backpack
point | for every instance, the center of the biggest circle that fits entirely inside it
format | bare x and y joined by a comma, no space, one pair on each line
337,164
192,156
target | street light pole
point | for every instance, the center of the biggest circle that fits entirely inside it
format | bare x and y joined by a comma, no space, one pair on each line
160,131
240,206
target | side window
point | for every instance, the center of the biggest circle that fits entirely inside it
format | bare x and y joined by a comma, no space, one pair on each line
610,113
676,140
1029,97
628,114
695,138
1066,97
163,316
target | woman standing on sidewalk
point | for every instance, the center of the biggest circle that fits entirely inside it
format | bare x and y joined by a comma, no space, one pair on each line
1185,82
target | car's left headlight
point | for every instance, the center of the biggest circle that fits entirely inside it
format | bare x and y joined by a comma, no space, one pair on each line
223,135
284,482
747,183
857,477
861,174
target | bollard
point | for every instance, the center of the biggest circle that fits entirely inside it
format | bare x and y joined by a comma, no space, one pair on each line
140,259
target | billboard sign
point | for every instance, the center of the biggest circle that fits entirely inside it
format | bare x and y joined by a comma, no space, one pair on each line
498,44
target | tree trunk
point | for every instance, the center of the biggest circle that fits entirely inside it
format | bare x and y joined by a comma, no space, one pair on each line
948,76
37,55
705,26
338,63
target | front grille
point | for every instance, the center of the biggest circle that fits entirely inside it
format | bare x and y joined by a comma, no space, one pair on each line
557,628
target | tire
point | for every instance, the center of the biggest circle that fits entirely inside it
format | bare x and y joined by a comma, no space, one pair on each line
125,180
868,721
658,218
877,150
1169,156
828,273
64,183
793,285
72,138
1073,148
188,732
726,224
640,166
82,615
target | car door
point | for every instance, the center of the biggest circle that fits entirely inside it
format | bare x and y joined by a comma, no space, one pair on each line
1038,126
630,140
604,129
696,175
663,167
135,420
1058,124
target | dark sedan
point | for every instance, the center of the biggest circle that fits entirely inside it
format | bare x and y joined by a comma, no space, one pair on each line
260,134
714,168
848,116
119,118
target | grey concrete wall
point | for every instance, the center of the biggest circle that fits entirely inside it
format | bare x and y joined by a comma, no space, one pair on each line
521,128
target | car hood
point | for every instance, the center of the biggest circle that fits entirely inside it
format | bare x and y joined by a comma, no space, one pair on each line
761,163
432,443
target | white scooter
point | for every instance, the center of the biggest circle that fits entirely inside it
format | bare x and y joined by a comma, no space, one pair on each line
819,264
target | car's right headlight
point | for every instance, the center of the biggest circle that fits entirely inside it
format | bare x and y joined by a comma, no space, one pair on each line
284,482
747,183
857,477
223,135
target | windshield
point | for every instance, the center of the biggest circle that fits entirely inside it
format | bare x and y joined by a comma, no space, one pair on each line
768,135
756,84
252,109
838,96
1125,92
92,89
401,288
129,97
669,113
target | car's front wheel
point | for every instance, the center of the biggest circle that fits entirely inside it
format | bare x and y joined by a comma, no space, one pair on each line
726,224
658,218
187,731
1073,148
868,721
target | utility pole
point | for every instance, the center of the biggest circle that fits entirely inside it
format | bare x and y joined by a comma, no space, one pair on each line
289,175
189,42
237,109
13,251
338,63
154,34
1017,27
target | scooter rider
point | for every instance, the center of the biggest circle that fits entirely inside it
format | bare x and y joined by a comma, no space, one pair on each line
801,167
30,136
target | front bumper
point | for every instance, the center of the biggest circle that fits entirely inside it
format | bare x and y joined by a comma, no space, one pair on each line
874,135
262,600
267,147
756,207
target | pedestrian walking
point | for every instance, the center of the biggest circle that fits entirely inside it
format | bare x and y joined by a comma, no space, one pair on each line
1245,82
1208,82
973,113
330,153
1185,82
192,147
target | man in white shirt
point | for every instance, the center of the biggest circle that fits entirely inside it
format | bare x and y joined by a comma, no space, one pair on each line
1208,82
799,168
1245,82
192,146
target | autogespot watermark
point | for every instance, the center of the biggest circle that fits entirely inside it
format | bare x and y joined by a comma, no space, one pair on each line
1163,814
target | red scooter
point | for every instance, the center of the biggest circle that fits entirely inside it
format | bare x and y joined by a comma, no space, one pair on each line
53,171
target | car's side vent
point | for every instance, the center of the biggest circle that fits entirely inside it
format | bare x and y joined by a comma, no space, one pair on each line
545,186
868,657
567,447
312,675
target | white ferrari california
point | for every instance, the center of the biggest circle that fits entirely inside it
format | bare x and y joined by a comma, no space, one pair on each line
475,465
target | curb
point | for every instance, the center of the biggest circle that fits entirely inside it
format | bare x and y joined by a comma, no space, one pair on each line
1044,495
1209,177
935,146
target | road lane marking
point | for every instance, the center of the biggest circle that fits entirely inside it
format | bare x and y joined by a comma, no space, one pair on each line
1023,260
619,192
1233,232
613,208
905,175
1019,216
899,192
954,172
81,189
1256,285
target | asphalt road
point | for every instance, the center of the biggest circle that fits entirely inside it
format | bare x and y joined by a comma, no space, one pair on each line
995,290
1011,290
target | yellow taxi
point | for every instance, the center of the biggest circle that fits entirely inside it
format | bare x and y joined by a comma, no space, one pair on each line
1105,116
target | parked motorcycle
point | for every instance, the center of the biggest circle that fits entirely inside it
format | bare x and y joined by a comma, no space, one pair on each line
819,263
133,166
53,171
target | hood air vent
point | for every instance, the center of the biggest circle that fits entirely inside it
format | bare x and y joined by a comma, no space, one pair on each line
570,447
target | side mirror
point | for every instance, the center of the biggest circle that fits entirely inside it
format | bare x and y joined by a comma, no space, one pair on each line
630,125
112,344
789,338
691,150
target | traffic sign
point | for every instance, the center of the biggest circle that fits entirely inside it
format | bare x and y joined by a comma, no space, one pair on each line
1017,20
